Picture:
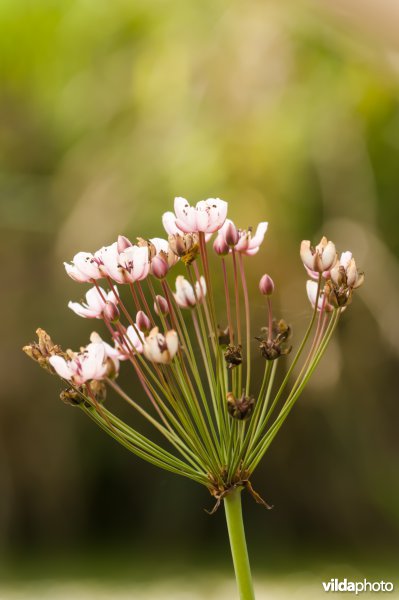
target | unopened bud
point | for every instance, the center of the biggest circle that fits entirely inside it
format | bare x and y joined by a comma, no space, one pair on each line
161,306
142,321
159,266
231,234
123,243
266,285
111,312
220,246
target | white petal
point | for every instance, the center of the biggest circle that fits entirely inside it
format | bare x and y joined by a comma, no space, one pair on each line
345,259
84,261
93,365
200,288
61,367
328,256
169,223
172,342
202,221
307,255
160,244
75,274
186,215
185,296
136,337
311,289
109,256
94,299
258,238
83,311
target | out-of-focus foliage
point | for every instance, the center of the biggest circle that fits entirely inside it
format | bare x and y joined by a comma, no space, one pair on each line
289,112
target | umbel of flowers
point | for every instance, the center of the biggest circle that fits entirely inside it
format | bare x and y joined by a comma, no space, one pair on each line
192,353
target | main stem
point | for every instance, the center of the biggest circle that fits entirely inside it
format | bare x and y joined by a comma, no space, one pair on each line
238,544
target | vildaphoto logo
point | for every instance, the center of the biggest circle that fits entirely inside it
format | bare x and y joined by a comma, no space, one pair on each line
357,587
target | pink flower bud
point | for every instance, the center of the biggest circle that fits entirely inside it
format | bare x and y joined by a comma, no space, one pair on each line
266,285
231,234
142,321
111,312
159,266
220,246
123,243
161,306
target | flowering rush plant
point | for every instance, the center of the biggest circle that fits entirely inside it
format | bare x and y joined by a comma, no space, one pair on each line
192,359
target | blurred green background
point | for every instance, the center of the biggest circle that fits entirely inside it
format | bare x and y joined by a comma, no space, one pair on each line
290,112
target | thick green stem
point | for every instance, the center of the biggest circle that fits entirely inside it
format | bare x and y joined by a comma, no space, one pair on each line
235,526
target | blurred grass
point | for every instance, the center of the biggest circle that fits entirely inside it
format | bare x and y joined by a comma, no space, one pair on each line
290,111
120,573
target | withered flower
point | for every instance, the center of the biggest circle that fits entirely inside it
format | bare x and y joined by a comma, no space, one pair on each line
272,344
41,350
185,246
233,356
240,408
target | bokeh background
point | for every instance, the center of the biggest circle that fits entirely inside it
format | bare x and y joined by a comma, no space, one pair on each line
288,110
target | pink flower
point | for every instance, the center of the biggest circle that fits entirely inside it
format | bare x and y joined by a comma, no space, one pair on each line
242,240
82,366
96,300
128,266
207,216
161,348
319,259
84,267
185,296
322,303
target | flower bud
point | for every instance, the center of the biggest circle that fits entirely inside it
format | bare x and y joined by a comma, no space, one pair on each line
123,243
142,321
161,306
159,266
231,234
220,246
266,285
111,312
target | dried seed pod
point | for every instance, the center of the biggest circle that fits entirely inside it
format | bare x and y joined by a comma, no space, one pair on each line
233,356
240,408
185,245
272,346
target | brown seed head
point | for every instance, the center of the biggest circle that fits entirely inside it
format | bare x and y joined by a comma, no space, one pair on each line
240,408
